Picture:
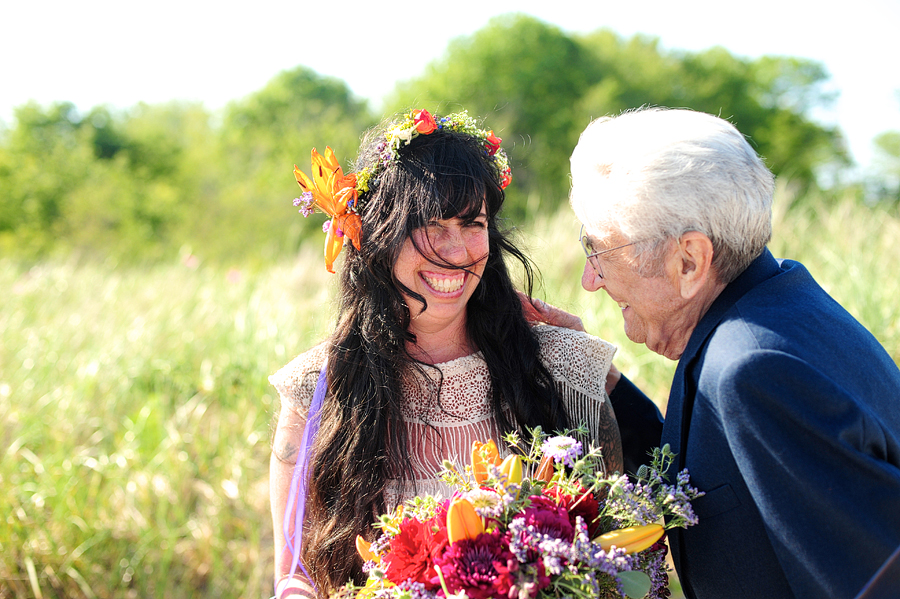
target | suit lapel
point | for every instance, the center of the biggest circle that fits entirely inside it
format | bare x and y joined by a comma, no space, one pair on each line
676,427
681,395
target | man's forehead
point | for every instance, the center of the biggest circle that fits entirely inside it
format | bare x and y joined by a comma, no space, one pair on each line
600,235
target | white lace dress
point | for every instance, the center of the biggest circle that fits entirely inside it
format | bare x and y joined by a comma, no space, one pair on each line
446,428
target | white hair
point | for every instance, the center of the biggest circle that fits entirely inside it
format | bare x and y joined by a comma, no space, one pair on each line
654,174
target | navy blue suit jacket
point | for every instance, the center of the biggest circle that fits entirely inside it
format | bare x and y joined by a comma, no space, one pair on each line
786,411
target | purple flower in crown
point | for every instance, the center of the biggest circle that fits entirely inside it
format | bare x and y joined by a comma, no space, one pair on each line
326,226
307,202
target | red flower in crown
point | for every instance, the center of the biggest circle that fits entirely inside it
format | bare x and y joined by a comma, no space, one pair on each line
492,142
424,122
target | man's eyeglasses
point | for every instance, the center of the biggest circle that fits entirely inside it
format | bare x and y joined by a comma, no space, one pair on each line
592,255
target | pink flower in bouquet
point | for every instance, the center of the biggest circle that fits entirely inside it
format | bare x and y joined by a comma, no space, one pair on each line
548,518
481,566
413,550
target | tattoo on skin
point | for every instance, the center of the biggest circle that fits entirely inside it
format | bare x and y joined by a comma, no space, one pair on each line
610,440
285,452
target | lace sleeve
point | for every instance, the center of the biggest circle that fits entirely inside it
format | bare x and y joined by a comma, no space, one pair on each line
576,360
579,363
296,381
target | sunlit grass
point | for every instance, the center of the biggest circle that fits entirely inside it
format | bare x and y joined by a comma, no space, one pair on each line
136,423
135,414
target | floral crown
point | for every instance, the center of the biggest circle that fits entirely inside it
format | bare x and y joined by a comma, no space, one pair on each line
338,195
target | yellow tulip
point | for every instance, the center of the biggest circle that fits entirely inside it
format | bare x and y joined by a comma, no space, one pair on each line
511,467
632,539
462,521
373,585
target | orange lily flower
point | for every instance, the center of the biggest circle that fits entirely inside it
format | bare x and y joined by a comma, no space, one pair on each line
334,194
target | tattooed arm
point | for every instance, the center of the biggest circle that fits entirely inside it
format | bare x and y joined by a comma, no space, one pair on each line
288,435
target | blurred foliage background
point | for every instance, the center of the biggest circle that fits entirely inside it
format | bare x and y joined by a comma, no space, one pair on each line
154,273
144,183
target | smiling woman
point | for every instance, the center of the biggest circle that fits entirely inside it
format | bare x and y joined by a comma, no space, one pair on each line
443,264
431,351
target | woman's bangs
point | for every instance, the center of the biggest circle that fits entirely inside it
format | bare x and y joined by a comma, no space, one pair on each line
462,198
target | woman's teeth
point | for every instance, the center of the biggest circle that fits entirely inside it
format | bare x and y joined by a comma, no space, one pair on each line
623,305
448,285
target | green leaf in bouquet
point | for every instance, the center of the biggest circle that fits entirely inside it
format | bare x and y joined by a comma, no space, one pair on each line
635,583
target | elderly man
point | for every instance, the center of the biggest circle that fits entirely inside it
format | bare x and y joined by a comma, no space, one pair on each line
785,410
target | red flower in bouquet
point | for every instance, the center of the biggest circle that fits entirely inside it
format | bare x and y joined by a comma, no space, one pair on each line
413,550
496,540
581,504
479,566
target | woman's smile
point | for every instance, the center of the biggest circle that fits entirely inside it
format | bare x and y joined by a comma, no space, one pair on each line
426,266
444,284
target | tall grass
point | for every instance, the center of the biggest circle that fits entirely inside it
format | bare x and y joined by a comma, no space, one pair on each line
136,416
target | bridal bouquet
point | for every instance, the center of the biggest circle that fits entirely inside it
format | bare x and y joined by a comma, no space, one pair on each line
544,522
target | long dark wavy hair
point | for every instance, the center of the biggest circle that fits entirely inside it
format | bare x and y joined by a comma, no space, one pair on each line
362,441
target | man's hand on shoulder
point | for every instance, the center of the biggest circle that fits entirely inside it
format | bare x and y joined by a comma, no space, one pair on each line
539,311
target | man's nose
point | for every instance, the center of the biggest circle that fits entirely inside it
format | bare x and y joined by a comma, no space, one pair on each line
590,280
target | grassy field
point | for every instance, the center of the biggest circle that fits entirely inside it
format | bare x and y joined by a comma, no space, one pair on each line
135,415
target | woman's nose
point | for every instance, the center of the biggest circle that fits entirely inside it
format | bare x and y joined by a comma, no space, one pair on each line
450,243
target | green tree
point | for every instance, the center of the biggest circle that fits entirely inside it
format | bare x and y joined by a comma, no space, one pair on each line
43,157
538,87
522,76
264,135
769,99
887,162
104,182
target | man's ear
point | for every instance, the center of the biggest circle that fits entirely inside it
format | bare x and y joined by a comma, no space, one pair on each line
695,255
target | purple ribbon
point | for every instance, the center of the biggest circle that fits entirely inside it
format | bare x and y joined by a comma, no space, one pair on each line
298,489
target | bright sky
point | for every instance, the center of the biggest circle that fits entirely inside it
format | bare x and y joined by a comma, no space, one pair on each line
119,53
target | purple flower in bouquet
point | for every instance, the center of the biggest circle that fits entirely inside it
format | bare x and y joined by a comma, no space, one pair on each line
562,449
653,561
479,566
542,535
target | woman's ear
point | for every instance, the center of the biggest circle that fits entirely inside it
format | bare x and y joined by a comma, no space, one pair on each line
695,268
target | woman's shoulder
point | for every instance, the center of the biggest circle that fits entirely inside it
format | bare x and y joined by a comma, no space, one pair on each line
296,380
579,358
553,339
